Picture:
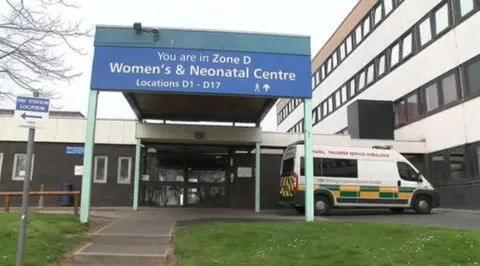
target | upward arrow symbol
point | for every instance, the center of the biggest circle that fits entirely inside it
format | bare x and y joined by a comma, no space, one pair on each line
266,87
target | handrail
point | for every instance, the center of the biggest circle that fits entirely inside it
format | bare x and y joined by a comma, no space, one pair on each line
9,194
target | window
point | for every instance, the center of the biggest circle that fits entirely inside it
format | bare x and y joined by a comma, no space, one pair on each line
395,55
345,168
19,166
124,170
457,165
366,26
478,160
442,19
349,44
343,52
407,46
317,76
449,89
100,169
406,172
330,104
1,164
431,97
378,14
413,108
388,6
361,80
400,117
344,93
425,31
323,71
353,88
437,169
473,78
315,115
329,65
358,35
338,101
381,65
370,73
334,59
465,6
325,109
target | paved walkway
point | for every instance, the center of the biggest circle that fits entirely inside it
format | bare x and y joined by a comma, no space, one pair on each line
144,237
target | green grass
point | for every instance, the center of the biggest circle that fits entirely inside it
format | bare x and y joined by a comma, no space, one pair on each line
49,237
325,243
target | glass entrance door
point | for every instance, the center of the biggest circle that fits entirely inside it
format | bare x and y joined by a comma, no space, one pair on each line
206,181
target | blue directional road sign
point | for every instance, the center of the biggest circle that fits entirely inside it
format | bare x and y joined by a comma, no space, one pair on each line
30,110
75,150
201,72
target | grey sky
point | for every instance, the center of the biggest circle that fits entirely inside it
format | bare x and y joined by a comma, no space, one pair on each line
317,18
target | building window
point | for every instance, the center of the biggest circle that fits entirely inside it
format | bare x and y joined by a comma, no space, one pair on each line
425,31
450,89
400,117
366,26
317,76
100,169
395,55
330,104
388,4
358,35
325,109
19,166
413,107
338,100
349,44
315,115
437,166
343,53
457,165
442,21
378,14
344,93
465,7
124,170
370,74
1,164
478,161
334,59
473,78
353,88
407,46
323,71
361,80
431,97
329,65
381,65
344,168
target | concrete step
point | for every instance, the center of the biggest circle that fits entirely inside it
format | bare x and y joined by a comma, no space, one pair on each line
131,239
121,254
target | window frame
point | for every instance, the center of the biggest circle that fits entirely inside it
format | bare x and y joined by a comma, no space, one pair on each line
1,164
378,63
404,117
420,106
456,74
404,57
14,169
467,92
396,45
419,31
119,170
436,34
456,7
95,165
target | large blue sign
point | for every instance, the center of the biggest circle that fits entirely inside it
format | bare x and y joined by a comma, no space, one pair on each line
201,72
75,150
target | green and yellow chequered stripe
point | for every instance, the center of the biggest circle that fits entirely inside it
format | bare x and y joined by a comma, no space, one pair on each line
367,192
287,186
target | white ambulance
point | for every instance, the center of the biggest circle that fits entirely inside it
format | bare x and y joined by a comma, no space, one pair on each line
355,178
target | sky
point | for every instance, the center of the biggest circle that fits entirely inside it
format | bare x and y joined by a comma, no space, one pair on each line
316,18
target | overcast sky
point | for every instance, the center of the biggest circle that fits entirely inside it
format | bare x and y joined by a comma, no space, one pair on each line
317,18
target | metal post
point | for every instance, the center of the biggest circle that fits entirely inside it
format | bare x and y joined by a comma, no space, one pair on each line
22,233
88,157
257,176
309,197
136,184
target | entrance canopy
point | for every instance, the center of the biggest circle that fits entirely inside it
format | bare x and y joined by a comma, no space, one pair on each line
198,75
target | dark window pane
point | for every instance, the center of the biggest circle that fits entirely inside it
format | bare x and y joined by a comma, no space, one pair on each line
457,165
339,168
413,107
473,78
287,167
437,167
449,89
478,162
400,117
431,97
406,172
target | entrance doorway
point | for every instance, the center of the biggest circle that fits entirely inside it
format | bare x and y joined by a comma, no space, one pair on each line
190,176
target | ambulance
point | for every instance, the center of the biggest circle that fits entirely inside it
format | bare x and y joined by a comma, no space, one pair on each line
348,177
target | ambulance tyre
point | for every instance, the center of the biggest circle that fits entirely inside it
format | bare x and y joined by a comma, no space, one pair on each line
423,205
322,205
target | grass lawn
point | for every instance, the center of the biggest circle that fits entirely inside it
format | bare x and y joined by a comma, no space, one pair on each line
49,237
324,243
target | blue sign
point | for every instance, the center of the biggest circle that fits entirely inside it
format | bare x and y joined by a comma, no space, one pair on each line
75,150
30,110
201,72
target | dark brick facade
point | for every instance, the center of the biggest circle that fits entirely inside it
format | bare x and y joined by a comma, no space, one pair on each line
53,167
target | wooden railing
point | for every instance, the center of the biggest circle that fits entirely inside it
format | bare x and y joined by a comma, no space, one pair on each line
8,197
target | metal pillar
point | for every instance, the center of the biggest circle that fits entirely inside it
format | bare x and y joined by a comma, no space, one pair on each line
136,184
309,213
88,157
257,176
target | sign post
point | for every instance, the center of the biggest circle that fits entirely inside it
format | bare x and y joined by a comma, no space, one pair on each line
29,110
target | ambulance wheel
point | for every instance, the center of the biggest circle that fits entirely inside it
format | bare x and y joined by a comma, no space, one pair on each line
321,205
300,209
423,205
397,210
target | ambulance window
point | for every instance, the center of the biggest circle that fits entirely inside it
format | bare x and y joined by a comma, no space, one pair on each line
287,167
406,172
